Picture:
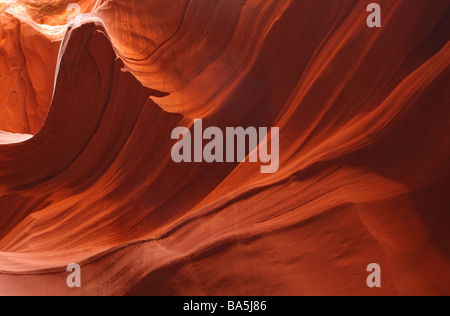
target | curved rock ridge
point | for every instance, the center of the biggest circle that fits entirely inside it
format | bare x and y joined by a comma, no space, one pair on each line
364,150
11,138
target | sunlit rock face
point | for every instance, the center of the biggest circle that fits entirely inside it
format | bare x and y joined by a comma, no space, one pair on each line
88,103
30,34
27,68
49,12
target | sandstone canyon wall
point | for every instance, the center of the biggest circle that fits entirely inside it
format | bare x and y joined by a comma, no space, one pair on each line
87,108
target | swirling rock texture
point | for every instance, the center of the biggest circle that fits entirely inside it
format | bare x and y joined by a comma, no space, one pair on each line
87,110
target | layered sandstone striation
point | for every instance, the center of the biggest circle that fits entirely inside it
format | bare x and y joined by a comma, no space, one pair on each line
364,171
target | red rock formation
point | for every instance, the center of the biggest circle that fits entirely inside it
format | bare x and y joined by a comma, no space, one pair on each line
30,39
27,68
364,173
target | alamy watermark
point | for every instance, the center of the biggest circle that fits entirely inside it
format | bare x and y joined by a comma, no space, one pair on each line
234,142
75,10
374,278
374,18
74,279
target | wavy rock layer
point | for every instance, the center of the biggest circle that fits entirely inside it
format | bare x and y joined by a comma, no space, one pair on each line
364,175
